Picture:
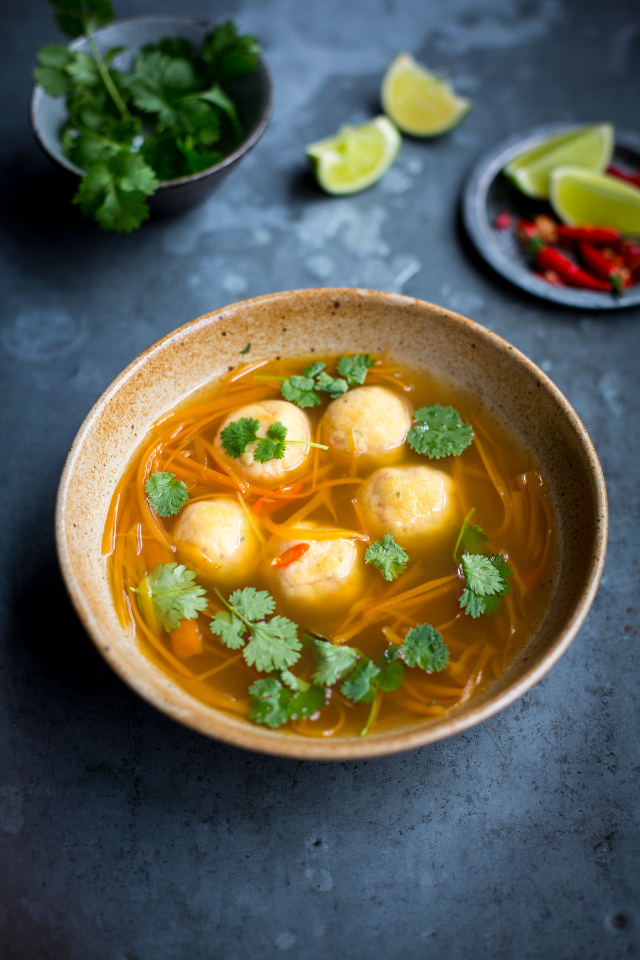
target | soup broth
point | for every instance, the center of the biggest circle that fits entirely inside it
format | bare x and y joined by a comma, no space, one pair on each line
341,500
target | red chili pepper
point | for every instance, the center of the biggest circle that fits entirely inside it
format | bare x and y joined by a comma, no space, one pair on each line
503,220
597,263
633,178
291,555
597,235
574,276
630,254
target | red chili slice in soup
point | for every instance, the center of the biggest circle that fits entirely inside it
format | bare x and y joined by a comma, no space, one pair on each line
291,555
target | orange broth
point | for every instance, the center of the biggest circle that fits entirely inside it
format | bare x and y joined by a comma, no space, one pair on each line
495,475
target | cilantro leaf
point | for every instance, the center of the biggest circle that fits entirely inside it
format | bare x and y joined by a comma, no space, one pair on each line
238,435
172,47
355,368
334,387
174,594
480,574
294,683
301,391
359,685
246,349
78,17
252,604
166,495
306,703
274,645
229,628
470,536
272,704
387,556
439,432
391,670
272,446
332,661
487,581
228,55
314,369
52,74
269,702
114,192
168,87
423,647
218,98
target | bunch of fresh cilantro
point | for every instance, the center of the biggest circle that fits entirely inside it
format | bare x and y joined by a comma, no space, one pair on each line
168,118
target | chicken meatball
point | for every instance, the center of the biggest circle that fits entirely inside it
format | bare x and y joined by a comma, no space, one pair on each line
325,578
411,503
274,472
219,529
371,422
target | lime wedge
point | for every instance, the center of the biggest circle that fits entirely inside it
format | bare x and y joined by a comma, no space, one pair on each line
420,103
355,157
586,198
589,147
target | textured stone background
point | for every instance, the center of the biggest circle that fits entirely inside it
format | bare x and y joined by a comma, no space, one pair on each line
125,837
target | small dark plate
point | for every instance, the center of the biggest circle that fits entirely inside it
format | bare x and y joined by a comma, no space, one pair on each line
488,192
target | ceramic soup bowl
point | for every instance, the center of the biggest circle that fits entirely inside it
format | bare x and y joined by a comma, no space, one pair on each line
334,321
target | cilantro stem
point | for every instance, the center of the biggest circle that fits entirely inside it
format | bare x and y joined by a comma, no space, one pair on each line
233,609
373,713
461,534
308,443
265,377
106,77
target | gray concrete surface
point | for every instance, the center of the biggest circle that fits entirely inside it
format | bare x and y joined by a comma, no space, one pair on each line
126,837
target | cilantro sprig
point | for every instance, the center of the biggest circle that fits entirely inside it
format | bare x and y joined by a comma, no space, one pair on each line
470,536
170,117
170,591
360,679
304,391
165,493
237,436
439,432
355,368
273,702
272,644
487,581
387,556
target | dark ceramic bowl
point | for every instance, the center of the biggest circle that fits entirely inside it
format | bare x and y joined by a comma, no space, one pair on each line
487,192
252,95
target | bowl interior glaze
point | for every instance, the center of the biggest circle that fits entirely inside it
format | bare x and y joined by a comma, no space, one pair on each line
328,321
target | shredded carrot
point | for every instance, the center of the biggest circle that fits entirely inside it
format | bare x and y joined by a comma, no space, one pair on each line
222,666
253,523
186,641
499,484
162,650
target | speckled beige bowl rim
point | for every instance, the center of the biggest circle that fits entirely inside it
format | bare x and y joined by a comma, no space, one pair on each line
422,734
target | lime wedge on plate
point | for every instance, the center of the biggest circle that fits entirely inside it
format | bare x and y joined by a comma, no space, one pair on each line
589,147
355,157
420,103
586,198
